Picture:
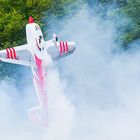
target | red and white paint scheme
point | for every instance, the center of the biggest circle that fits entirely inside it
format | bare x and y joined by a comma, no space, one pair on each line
37,54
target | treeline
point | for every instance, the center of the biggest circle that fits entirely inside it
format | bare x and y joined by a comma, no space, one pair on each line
14,16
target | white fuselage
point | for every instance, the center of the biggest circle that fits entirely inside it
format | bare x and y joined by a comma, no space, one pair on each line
36,42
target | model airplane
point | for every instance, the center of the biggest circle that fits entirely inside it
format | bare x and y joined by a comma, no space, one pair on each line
37,54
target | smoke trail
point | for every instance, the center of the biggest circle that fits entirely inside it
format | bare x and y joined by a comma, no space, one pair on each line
104,86
61,111
13,124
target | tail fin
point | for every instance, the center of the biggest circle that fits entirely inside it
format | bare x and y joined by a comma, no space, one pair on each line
37,115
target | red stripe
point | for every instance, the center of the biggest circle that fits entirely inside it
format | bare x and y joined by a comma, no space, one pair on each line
67,47
11,53
8,55
64,47
61,47
14,53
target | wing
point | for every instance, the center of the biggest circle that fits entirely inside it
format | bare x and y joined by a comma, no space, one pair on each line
58,50
17,55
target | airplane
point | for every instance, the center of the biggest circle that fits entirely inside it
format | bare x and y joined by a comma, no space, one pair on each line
38,54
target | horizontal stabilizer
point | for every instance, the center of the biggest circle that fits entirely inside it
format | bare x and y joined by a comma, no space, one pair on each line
58,50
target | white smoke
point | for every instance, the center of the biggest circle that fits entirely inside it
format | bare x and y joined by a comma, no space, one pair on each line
60,110
94,95
14,122
103,85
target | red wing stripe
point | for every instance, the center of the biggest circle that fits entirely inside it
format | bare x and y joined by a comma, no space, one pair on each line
61,48
14,53
64,47
11,53
8,54
67,47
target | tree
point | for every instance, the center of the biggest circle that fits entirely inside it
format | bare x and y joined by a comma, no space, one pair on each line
132,11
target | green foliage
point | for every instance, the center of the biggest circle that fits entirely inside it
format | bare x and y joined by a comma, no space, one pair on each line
132,11
11,25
